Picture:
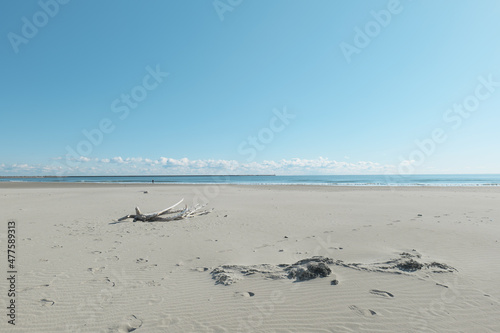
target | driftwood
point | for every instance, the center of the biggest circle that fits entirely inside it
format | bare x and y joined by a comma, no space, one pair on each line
180,214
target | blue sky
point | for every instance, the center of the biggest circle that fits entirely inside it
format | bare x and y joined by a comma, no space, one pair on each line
237,87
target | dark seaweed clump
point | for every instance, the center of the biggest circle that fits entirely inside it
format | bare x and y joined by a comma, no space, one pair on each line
409,266
313,270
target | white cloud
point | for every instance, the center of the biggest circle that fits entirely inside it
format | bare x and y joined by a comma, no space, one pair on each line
117,160
164,165
133,159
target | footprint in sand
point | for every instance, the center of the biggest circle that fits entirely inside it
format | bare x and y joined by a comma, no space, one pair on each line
108,280
231,250
47,302
362,312
201,269
244,294
153,283
381,293
131,324
101,279
148,267
155,300
95,270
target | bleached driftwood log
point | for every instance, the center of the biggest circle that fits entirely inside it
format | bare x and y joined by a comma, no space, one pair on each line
180,214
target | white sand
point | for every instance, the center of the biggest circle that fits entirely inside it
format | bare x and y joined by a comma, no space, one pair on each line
79,272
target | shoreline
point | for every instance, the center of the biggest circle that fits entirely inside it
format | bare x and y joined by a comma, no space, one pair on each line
21,184
448,180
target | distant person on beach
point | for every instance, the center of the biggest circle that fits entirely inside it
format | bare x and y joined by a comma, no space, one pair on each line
153,181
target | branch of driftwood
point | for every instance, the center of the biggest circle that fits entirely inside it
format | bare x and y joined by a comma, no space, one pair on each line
179,214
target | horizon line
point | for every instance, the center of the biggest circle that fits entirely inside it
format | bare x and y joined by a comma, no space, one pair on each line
250,175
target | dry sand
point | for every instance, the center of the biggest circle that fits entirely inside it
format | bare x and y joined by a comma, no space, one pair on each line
80,271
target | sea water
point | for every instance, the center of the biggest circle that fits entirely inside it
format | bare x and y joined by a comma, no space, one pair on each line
332,180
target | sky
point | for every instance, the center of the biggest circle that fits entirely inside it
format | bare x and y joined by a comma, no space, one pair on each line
249,87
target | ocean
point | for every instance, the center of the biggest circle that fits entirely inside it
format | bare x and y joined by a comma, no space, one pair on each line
334,180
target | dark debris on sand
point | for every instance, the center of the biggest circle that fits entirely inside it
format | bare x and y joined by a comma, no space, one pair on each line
311,271
409,266
302,270
318,267
310,268
408,263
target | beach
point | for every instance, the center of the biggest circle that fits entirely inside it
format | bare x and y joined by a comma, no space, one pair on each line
79,269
